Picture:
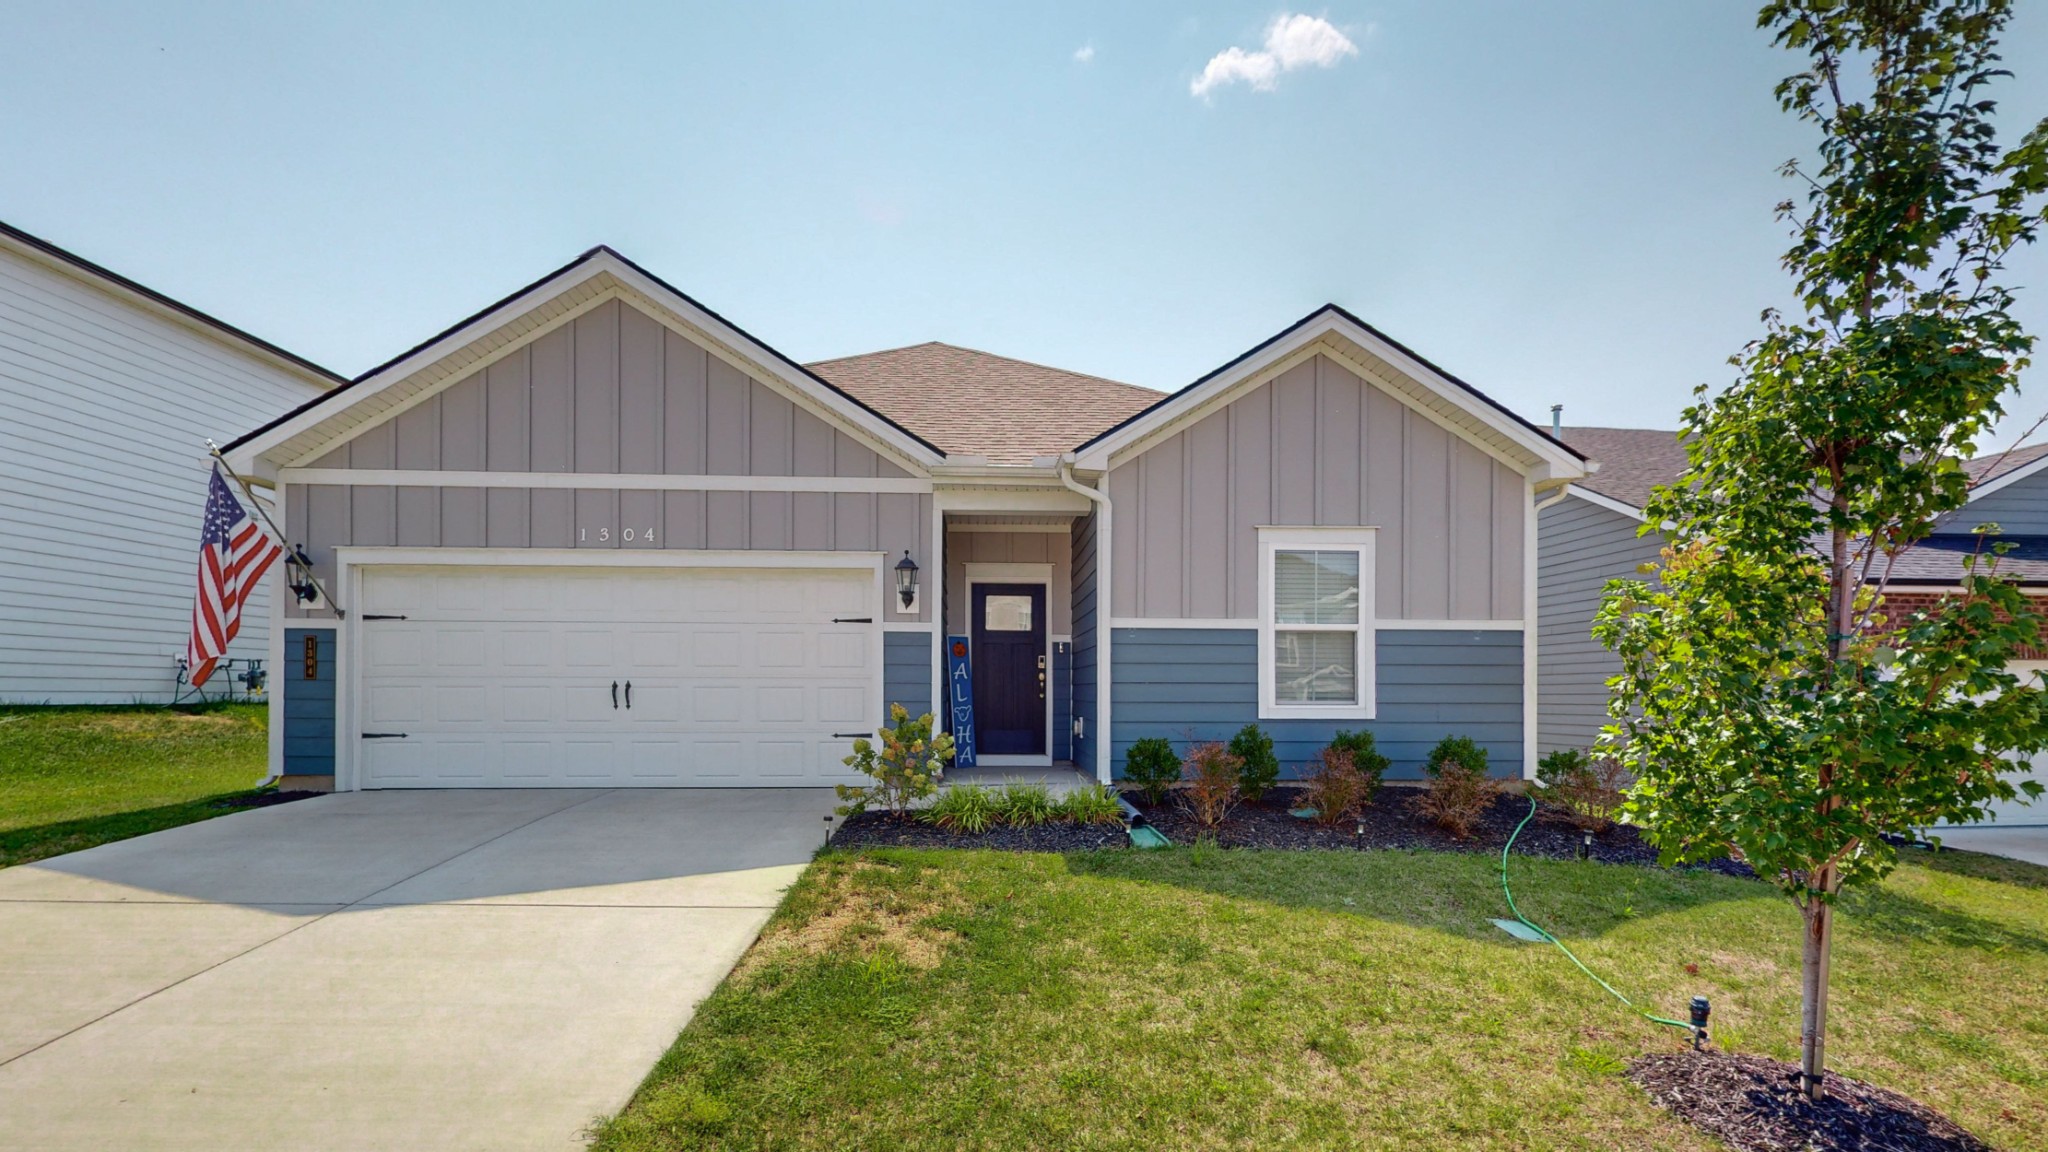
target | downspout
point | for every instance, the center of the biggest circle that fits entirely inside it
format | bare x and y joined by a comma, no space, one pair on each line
1532,632
1103,592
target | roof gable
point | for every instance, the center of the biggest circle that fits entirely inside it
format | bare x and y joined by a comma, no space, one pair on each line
590,281
1331,331
973,403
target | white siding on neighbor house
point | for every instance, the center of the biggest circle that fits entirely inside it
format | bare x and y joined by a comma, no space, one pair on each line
105,407
1580,547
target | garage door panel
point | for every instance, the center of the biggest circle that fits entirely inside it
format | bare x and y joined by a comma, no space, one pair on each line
503,677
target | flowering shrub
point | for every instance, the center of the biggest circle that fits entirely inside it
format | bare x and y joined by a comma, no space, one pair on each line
905,768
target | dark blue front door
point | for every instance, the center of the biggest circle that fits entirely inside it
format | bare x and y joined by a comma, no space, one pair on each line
1009,669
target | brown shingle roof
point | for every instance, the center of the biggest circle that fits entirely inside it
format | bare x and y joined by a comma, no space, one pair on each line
972,403
1632,460
1992,465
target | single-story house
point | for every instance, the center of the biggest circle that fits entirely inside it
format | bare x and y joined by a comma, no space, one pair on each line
598,534
108,393
1591,534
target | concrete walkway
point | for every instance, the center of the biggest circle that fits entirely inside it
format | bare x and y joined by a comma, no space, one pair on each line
403,970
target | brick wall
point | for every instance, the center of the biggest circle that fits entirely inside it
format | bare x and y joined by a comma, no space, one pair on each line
1899,605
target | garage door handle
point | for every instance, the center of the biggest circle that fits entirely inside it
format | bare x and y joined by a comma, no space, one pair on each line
615,695
383,735
629,695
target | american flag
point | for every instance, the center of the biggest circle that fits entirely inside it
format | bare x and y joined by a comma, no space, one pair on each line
233,555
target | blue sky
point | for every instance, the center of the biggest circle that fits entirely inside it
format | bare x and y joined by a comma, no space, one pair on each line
1564,202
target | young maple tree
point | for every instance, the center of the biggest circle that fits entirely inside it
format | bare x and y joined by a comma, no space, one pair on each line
1769,701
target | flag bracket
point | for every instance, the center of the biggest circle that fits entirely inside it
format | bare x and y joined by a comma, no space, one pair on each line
340,613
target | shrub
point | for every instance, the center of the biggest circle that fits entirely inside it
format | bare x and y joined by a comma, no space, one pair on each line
1589,790
1259,769
1337,789
1091,805
1212,773
1024,805
1152,767
1366,758
1459,788
905,768
968,808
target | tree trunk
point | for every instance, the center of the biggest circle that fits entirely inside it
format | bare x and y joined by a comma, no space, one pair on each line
1813,986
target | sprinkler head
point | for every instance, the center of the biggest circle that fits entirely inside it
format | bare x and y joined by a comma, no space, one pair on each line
1701,1009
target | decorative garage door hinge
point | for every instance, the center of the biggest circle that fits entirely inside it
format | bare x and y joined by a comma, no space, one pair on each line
853,619
383,735
367,616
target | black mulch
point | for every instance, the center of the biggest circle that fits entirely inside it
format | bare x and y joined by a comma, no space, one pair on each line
1755,1105
265,799
876,829
1394,820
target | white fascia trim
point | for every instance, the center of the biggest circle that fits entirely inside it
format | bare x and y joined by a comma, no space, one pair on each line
244,458
661,481
1607,502
1366,542
1532,727
2031,468
1014,500
363,556
1561,464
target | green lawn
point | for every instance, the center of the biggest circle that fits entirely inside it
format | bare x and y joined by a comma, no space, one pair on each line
1199,998
71,778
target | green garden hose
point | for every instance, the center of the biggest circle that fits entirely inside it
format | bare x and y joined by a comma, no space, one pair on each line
1545,935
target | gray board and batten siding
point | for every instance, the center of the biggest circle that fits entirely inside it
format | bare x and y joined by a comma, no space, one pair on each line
1318,445
1581,546
615,391
966,546
1198,684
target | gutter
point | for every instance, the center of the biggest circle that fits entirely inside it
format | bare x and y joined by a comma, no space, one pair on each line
1104,589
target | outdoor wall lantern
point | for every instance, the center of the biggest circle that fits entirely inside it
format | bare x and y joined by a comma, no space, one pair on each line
906,580
299,575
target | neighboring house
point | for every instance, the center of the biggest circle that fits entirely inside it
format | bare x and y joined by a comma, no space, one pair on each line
1592,535
108,393
598,535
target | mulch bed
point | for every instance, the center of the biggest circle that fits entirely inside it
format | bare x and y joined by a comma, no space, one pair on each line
1394,820
879,829
266,799
1755,1105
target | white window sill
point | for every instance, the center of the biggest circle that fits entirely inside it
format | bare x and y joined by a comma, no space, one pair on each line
1316,712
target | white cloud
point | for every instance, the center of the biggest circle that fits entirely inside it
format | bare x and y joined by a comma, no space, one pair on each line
1085,54
1292,41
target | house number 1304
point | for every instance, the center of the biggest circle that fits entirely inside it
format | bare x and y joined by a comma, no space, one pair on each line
604,535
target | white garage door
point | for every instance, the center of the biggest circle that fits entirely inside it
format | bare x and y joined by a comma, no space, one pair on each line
609,677
2018,812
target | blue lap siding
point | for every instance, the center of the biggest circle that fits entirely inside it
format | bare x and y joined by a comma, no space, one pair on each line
1203,684
308,704
907,672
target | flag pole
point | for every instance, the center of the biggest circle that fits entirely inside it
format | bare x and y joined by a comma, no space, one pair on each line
291,553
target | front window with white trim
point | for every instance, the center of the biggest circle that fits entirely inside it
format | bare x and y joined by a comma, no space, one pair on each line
1315,623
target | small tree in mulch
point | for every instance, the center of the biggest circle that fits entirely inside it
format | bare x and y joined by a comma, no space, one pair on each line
1260,767
1756,1105
1459,791
1210,783
905,768
1769,701
1152,767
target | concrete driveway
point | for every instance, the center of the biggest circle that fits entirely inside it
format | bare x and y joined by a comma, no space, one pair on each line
2028,842
448,970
